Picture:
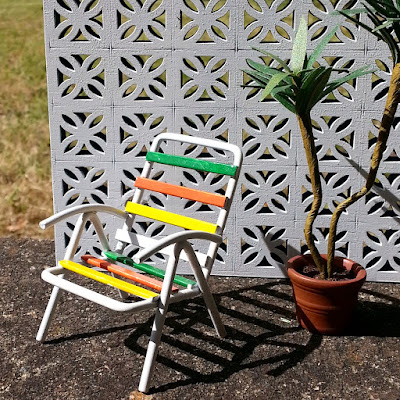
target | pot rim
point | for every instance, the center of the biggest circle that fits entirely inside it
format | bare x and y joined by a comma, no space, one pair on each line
346,262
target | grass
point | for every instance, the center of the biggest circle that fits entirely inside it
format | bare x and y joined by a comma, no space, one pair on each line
25,171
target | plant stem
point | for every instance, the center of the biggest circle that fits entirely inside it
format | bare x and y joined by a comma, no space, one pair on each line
312,161
392,101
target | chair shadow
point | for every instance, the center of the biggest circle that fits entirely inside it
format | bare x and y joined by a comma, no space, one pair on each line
240,344
253,317
88,335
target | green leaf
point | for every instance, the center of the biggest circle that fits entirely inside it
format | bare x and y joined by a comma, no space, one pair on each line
281,89
390,5
311,88
304,75
264,69
263,78
274,57
396,28
253,86
311,78
275,81
385,25
372,15
365,26
338,82
306,70
315,91
384,33
378,7
299,48
258,77
286,90
351,11
321,45
282,98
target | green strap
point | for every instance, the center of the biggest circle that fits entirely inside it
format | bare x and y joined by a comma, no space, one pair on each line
192,163
160,273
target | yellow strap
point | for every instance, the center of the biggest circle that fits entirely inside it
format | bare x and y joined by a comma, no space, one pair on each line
170,218
108,280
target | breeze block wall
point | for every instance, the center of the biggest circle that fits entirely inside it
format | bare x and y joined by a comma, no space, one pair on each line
122,71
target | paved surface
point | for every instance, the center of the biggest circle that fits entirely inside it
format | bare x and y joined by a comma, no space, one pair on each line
96,354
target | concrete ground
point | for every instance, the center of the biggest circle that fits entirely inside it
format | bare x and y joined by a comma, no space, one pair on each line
92,353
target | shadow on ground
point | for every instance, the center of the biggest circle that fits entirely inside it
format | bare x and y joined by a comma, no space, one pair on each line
94,353
378,314
246,334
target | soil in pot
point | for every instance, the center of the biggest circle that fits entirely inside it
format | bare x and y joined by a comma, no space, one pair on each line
311,271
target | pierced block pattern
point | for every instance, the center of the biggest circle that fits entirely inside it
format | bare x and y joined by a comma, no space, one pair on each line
79,78
141,23
120,72
269,22
204,23
143,78
135,129
72,23
82,134
83,183
275,148
204,78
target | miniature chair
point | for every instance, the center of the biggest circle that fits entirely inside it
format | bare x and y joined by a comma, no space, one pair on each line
169,287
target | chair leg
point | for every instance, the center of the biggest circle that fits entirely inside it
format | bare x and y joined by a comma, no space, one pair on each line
48,314
55,294
152,350
206,291
211,306
158,324
124,296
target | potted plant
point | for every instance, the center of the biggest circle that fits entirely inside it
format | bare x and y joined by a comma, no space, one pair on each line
325,299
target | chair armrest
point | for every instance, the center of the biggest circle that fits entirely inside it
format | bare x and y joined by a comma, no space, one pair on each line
175,238
82,209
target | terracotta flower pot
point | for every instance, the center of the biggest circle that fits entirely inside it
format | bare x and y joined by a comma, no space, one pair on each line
323,306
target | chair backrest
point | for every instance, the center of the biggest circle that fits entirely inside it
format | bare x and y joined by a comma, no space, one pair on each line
171,186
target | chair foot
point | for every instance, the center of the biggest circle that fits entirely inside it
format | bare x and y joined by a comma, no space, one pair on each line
152,350
48,314
221,331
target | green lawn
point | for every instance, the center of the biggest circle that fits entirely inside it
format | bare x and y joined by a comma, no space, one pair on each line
25,180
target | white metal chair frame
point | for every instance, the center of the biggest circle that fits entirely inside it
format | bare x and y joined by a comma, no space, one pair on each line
175,246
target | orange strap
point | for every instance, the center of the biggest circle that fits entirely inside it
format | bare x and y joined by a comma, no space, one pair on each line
181,191
125,272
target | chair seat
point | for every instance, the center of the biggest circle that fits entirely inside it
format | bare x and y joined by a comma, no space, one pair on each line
160,273
126,273
107,279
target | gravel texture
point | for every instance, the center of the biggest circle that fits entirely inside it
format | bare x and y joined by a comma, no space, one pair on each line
93,353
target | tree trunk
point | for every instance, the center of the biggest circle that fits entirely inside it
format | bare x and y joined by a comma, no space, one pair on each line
387,120
312,161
